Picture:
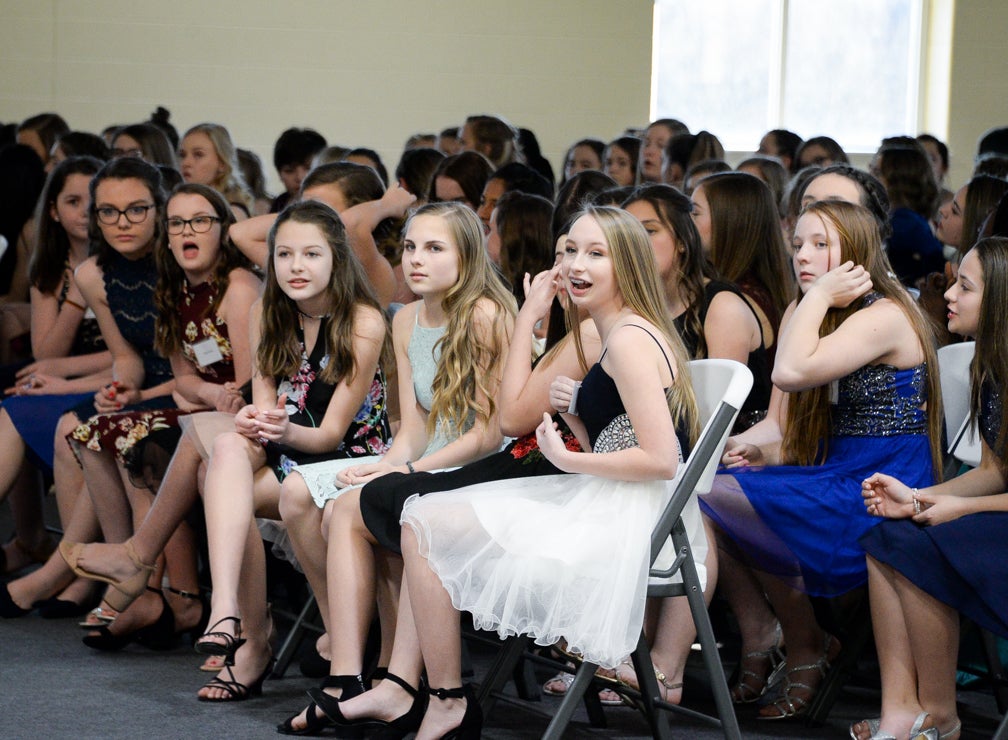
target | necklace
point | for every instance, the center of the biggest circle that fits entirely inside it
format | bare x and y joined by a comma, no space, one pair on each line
309,316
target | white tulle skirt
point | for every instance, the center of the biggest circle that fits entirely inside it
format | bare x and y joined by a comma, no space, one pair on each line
562,556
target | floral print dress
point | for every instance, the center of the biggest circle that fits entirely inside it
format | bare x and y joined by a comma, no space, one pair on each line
308,397
122,432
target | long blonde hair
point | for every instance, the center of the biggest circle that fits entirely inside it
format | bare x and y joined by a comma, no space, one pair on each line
637,278
468,364
229,183
807,429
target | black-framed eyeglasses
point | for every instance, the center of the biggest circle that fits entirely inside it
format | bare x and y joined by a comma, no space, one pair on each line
110,216
199,224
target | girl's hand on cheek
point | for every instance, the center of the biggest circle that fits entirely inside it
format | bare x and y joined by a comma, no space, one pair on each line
842,285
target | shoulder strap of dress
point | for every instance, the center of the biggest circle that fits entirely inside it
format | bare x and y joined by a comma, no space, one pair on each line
660,348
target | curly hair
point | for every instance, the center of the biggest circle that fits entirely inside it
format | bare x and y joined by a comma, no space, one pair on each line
468,362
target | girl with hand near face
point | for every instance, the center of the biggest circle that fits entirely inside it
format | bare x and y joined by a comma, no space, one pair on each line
450,347
855,389
937,553
204,295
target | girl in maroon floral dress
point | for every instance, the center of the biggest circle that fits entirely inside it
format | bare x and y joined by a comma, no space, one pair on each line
203,297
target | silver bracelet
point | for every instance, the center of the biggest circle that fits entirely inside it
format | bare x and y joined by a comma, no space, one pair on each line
409,466
916,502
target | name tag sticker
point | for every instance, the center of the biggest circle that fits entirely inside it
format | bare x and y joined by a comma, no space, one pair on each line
207,352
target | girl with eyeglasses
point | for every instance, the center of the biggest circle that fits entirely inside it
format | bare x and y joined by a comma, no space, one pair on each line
203,297
126,228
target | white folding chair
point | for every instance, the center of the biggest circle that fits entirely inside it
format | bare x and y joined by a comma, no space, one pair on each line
721,387
954,364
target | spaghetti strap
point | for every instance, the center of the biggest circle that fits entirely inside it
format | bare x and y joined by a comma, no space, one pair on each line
660,348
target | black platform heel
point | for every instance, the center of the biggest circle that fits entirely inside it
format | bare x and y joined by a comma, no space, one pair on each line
316,723
471,726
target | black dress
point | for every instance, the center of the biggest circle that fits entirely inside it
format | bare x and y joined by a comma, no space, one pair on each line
962,563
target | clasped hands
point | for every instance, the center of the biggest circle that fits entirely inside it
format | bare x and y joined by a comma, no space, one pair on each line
888,497
264,425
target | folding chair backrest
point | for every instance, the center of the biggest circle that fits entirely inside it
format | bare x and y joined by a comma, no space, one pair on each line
721,387
954,364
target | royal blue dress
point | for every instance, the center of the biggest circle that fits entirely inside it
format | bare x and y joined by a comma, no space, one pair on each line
962,563
802,523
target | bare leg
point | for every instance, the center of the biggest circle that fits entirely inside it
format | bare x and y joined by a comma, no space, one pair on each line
900,704
388,700
933,628
253,657
304,526
228,502
68,477
55,576
101,475
439,636
32,543
177,494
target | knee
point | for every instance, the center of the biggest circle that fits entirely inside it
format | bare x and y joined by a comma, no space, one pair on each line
229,445
295,499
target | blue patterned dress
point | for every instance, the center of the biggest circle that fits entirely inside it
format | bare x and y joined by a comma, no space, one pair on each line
962,563
802,523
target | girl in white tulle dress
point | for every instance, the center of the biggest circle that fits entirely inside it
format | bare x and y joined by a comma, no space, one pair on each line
525,555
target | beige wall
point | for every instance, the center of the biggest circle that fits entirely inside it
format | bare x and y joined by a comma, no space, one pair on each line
978,85
362,72
370,73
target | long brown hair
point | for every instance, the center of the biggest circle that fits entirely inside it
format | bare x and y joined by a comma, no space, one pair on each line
171,284
807,429
990,360
279,351
746,240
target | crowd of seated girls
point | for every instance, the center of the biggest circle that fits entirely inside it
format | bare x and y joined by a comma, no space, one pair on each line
356,353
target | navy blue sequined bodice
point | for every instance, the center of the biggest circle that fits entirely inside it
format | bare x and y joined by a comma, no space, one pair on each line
881,401
129,289
990,414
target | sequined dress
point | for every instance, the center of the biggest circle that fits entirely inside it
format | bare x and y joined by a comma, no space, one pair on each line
963,562
802,523
557,555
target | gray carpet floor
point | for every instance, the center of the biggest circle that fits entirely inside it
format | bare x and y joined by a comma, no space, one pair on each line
52,686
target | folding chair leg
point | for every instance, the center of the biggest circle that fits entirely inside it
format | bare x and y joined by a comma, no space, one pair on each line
650,691
525,681
501,669
582,680
1002,730
997,671
294,637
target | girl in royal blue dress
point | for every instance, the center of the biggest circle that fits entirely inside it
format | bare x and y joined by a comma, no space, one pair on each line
856,362
941,551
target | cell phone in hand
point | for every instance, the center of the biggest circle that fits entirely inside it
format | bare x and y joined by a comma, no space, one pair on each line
572,406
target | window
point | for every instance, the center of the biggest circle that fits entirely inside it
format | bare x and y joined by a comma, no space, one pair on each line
848,69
